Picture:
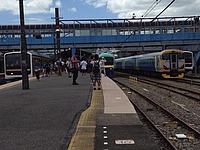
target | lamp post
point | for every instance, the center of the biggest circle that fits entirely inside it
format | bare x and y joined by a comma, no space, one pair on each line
25,82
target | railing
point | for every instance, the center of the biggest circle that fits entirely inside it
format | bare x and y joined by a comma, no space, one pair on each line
106,31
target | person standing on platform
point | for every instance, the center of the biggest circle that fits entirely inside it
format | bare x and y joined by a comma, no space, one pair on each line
37,69
69,67
60,65
83,67
48,69
89,66
102,65
96,74
75,65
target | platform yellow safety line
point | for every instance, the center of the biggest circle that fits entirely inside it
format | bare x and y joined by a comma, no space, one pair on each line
84,135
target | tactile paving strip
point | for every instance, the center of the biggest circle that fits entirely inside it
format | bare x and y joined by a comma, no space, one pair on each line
84,135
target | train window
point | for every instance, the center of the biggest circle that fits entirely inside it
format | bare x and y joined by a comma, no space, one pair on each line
173,58
109,61
165,57
188,57
13,61
180,56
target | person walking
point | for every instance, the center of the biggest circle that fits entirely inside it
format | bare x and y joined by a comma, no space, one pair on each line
96,74
60,65
83,67
75,65
48,69
69,67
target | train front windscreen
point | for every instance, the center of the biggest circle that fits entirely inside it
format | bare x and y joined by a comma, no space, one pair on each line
109,61
188,57
13,64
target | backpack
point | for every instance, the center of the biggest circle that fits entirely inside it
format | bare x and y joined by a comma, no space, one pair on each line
96,67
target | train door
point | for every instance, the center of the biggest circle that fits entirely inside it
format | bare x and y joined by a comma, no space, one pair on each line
158,63
173,63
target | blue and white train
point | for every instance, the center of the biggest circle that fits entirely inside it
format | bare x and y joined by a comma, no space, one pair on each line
167,63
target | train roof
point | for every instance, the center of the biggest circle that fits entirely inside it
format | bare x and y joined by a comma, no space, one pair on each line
30,52
106,55
188,52
151,54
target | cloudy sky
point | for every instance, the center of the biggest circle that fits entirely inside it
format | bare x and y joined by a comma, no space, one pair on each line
42,11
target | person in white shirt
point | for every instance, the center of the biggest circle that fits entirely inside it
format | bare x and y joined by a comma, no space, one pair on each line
83,67
102,65
69,67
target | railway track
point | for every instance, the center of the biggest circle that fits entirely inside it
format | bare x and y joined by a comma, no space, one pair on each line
168,123
189,81
183,101
170,86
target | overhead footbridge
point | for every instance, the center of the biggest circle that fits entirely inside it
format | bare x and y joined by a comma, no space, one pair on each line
133,34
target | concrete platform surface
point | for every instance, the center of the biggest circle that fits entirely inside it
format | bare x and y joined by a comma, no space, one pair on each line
40,118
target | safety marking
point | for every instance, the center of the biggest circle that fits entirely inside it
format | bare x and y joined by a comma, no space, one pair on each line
105,137
118,98
86,126
131,141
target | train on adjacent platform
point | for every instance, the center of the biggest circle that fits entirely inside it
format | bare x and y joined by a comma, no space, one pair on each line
12,64
167,64
109,64
1,64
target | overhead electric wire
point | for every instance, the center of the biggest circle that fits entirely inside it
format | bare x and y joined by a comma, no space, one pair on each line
43,10
39,5
151,8
145,14
162,11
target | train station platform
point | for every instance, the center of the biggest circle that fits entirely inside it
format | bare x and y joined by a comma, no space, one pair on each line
42,117
54,114
110,123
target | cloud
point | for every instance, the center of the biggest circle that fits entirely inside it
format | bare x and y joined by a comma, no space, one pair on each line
35,20
30,6
96,3
122,8
126,8
73,9
58,4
